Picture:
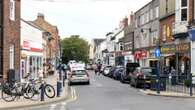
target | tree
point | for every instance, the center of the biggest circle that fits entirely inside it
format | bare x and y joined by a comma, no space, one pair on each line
75,48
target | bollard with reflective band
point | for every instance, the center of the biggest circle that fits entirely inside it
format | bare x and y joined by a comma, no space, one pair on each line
42,92
59,88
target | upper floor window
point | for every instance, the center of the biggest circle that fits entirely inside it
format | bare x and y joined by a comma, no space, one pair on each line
12,10
151,14
184,10
184,3
157,12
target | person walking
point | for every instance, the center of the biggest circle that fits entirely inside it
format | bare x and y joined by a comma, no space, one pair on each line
95,68
99,66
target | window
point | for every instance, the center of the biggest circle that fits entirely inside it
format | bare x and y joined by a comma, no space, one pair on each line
151,14
11,57
12,10
184,14
147,17
184,3
164,33
157,12
184,10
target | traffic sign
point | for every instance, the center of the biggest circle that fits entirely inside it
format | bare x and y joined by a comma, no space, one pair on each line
157,52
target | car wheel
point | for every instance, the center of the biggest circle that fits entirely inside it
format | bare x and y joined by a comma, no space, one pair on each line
132,82
88,83
136,83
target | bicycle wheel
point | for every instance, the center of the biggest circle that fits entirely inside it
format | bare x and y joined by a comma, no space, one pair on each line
33,92
8,94
49,91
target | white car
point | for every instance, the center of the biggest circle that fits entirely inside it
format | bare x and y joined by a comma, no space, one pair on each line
78,75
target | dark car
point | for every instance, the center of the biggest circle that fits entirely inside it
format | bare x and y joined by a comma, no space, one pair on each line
125,75
118,71
142,76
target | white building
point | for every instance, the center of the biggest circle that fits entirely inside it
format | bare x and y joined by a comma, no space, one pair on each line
31,49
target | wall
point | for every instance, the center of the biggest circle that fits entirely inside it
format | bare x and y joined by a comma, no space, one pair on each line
11,37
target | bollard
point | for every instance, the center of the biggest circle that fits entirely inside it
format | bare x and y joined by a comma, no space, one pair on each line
42,92
60,75
191,93
64,81
59,87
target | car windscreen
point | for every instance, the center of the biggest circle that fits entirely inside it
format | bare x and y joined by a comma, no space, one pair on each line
79,72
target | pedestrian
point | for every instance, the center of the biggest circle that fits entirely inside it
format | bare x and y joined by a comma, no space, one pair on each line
99,66
40,75
95,68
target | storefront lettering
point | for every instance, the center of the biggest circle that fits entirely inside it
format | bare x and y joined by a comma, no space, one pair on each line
167,49
182,47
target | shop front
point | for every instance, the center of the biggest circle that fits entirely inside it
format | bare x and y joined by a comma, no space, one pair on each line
142,57
31,59
123,57
177,57
168,58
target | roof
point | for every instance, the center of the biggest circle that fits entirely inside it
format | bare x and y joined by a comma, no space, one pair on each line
33,25
98,41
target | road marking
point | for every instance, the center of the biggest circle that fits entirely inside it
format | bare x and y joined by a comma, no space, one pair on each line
53,106
63,106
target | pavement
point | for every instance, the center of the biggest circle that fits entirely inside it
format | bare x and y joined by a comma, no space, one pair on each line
167,94
24,103
104,93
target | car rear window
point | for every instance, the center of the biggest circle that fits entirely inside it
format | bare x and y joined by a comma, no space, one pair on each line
79,72
148,70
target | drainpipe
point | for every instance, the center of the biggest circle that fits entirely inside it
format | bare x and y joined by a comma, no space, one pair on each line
2,34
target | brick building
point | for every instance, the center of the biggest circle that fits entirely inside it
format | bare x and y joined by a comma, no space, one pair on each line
10,36
54,40
167,19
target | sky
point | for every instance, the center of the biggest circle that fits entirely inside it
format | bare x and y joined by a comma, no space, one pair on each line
87,18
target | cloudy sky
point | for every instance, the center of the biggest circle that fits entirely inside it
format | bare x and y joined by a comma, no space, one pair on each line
87,18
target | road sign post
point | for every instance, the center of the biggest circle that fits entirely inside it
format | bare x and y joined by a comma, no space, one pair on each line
157,54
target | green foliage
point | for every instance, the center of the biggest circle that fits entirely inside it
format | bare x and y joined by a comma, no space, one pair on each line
187,83
75,48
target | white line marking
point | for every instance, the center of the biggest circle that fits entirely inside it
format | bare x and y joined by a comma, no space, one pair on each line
53,106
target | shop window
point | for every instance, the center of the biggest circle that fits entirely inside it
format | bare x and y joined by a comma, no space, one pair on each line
12,10
11,57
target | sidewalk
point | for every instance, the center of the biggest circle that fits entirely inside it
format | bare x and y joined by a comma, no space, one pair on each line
23,103
167,94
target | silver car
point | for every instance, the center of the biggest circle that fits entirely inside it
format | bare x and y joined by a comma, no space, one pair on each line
79,76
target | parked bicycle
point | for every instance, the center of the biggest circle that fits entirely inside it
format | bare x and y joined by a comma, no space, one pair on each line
29,89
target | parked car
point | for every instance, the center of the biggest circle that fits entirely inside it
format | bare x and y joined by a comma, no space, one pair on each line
89,67
125,76
78,75
106,70
110,74
118,71
142,76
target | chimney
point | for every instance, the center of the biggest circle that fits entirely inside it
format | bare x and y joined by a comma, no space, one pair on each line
131,18
40,16
125,22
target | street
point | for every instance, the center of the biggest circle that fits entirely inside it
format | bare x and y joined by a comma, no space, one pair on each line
107,94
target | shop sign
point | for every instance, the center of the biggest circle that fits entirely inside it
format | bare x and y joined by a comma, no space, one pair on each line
141,54
144,53
137,55
118,54
167,49
125,53
183,47
26,45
